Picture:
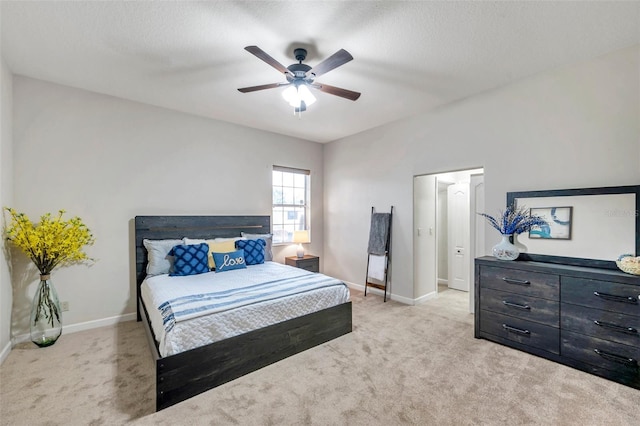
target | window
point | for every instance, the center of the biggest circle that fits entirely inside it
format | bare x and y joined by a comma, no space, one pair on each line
290,202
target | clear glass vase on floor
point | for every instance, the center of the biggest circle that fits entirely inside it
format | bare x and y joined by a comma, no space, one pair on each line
46,316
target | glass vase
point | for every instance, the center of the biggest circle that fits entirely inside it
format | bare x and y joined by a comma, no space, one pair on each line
505,250
46,315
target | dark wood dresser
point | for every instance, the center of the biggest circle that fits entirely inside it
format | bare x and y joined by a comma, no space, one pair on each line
587,318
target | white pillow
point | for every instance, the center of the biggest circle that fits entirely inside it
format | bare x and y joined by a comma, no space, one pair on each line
159,261
191,242
268,238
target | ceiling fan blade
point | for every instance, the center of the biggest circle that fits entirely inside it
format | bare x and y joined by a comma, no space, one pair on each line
343,93
261,54
262,87
341,57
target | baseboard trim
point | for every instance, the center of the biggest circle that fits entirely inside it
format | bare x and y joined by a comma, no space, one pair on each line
5,352
82,326
422,299
379,292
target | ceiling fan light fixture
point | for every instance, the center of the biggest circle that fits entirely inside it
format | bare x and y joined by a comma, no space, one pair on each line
300,76
290,94
301,108
306,95
296,94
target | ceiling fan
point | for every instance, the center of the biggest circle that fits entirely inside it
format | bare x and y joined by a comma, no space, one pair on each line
301,76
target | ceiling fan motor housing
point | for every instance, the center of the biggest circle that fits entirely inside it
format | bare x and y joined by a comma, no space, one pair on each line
299,70
300,54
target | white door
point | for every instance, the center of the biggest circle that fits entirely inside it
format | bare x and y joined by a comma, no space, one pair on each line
459,240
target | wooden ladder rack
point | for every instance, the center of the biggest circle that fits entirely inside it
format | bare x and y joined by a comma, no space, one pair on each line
373,249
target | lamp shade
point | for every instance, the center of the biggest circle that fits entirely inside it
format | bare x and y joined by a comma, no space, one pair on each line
294,95
306,95
301,236
290,95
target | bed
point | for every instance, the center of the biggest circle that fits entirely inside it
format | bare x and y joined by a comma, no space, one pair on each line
187,373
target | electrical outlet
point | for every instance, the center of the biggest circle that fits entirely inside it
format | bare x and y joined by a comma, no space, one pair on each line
64,306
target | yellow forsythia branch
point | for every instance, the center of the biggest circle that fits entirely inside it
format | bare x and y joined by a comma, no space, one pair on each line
51,242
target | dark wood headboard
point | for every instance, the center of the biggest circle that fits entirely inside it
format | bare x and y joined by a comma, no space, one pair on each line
203,227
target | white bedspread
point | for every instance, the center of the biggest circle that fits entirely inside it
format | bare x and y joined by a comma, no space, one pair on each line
231,303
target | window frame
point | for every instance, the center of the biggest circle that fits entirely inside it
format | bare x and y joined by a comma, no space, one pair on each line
281,225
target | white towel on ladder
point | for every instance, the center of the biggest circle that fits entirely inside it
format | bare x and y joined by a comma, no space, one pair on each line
376,267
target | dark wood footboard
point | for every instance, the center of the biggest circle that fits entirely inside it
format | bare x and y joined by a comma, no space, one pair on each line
181,376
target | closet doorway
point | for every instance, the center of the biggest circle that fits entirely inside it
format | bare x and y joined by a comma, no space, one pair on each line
448,234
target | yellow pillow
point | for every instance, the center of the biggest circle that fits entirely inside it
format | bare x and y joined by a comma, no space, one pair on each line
219,247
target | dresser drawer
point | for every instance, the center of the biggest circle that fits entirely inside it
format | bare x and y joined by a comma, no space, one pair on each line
526,307
309,265
521,282
308,262
522,331
605,295
622,359
602,324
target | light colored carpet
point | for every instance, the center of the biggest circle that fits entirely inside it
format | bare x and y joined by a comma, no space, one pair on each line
401,365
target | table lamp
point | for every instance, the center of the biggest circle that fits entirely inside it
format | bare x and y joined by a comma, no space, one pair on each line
300,237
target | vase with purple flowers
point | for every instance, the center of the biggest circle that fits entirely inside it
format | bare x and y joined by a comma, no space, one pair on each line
511,221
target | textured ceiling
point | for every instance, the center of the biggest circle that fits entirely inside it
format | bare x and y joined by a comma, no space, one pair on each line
409,57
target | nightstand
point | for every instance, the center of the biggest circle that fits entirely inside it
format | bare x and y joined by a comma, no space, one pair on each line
308,262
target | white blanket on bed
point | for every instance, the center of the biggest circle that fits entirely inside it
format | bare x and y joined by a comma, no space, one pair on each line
184,298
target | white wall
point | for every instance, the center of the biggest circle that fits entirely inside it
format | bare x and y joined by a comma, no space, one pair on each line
573,127
107,160
425,190
6,199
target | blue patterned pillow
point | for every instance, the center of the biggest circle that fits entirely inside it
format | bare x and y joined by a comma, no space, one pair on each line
229,261
268,238
253,250
190,259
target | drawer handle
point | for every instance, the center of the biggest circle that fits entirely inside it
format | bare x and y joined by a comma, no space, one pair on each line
615,327
516,282
516,305
614,298
515,329
617,358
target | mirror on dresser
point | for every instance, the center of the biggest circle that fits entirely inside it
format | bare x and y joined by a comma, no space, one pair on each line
604,224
